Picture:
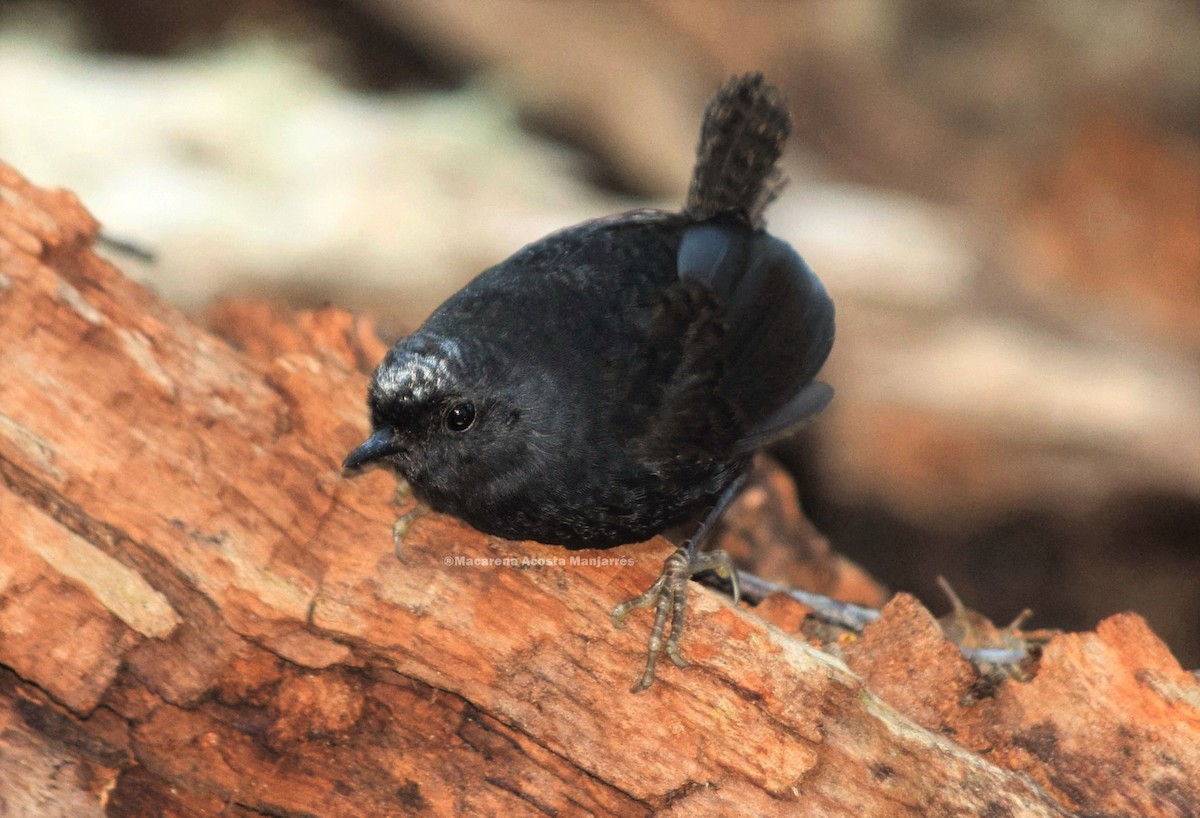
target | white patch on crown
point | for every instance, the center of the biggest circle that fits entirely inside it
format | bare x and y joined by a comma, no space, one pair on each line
423,372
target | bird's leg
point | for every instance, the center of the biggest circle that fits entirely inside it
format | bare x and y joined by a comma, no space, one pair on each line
401,526
669,591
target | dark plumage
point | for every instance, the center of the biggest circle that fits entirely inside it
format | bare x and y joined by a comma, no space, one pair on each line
613,379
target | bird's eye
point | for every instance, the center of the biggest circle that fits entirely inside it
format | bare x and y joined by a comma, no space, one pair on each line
460,417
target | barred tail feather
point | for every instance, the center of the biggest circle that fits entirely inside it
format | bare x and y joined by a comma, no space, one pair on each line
745,126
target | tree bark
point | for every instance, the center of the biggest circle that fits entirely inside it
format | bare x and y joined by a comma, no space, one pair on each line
199,615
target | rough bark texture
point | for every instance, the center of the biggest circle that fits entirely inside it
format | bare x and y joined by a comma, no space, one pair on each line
200,616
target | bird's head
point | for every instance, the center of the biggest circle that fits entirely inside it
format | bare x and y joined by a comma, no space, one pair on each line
437,415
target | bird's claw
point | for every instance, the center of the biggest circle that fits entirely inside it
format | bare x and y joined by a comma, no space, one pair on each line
669,594
402,524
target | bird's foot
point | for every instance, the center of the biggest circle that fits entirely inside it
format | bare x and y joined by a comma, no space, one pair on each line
401,526
669,594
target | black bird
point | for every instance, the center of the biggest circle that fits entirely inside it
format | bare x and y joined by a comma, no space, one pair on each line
615,378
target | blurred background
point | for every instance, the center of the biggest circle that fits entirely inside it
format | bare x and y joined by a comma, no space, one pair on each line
1003,198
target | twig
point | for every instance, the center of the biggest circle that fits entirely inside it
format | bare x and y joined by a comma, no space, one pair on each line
845,614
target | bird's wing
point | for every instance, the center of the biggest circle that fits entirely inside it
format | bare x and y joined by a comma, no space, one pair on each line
788,419
676,409
779,325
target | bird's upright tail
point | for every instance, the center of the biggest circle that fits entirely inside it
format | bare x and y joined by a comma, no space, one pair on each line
745,126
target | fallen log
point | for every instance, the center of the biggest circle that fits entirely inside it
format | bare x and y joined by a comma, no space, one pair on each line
200,616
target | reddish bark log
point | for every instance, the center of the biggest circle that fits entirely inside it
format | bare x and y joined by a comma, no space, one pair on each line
199,615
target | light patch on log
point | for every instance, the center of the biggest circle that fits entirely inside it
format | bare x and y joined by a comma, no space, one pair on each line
137,346
21,224
117,587
75,300
276,593
308,650
38,450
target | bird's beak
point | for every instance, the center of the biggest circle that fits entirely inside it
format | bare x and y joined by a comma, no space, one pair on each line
378,445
